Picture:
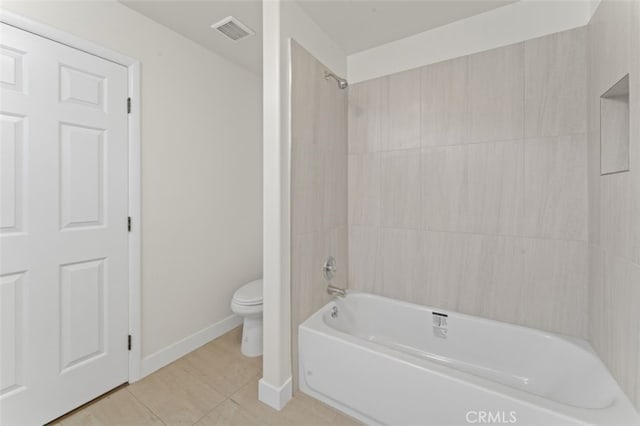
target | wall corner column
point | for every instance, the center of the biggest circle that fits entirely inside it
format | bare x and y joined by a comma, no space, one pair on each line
275,386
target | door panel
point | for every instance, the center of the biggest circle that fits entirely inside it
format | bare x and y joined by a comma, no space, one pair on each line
81,312
12,308
81,176
63,227
11,189
82,87
11,69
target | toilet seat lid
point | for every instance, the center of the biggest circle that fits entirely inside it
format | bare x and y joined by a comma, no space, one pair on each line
249,294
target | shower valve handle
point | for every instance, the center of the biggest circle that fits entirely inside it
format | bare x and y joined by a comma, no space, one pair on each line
329,268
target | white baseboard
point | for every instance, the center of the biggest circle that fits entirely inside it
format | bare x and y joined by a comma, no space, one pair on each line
167,355
275,397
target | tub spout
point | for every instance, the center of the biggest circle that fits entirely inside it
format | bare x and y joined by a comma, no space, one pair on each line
336,291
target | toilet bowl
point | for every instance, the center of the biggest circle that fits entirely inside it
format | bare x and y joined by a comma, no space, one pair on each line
247,302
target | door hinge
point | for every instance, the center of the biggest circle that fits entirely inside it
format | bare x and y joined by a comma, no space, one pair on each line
129,342
128,105
129,223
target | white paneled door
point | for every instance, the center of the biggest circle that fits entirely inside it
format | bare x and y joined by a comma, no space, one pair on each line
63,227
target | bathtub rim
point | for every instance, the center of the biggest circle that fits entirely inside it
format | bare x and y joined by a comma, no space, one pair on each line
573,340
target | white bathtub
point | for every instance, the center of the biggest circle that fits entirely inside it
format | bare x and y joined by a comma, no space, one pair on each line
389,362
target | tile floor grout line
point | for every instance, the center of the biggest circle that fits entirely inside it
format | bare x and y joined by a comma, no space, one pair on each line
145,405
226,398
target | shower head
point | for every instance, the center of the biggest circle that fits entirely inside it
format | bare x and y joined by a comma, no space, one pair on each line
342,83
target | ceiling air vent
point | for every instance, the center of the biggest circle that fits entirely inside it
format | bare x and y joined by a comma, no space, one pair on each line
233,29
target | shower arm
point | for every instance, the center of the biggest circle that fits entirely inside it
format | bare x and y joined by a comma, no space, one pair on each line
342,83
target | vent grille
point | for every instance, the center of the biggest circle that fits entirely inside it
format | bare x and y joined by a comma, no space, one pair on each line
233,29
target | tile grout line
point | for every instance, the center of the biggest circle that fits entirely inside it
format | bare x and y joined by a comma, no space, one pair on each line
482,234
145,406
211,410
523,221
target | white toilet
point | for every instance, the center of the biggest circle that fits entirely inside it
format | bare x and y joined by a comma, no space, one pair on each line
247,302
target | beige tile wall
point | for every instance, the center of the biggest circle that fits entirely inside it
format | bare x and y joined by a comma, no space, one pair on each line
319,187
614,200
467,184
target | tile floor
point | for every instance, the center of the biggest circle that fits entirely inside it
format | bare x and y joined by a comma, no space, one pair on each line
214,385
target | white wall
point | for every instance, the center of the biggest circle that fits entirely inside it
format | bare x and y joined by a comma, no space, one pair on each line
499,27
282,21
201,170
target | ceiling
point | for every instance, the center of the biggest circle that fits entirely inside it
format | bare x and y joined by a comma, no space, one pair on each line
354,25
193,20
357,25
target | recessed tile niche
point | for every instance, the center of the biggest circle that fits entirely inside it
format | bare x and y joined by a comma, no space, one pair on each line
614,128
